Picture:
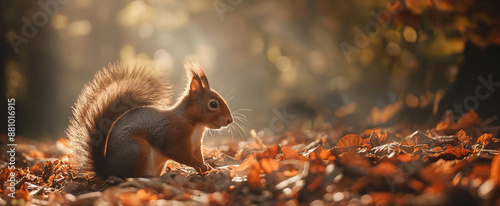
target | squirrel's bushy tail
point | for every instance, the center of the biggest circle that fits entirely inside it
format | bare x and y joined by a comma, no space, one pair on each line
111,92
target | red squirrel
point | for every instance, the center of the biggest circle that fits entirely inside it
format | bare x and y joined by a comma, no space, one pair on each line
123,123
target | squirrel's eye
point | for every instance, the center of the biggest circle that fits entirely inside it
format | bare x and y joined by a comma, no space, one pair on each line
213,104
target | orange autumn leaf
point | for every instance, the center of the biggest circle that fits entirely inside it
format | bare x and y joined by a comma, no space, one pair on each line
324,154
468,119
484,139
404,158
315,184
382,137
461,134
458,153
445,126
269,165
253,177
146,194
463,138
317,166
437,149
128,198
4,175
350,140
36,154
270,152
22,192
289,153
247,163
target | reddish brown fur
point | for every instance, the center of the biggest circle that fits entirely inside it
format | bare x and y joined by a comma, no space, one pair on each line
111,92
115,92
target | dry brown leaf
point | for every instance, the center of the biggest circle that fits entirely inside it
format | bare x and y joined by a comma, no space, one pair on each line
289,153
445,126
468,119
484,139
463,138
458,153
21,192
36,154
325,154
270,152
249,161
350,140
4,175
451,153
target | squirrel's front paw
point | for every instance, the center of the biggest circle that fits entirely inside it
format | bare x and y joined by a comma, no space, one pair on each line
201,167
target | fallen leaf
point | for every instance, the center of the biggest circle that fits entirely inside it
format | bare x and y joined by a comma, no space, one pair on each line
350,140
253,177
468,119
484,139
269,165
289,153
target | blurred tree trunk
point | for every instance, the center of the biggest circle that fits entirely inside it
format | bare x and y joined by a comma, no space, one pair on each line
477,86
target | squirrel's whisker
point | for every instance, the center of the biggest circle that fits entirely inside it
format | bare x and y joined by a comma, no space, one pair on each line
239,114
242,130
221,88
243,121
231,91
246,110
231,131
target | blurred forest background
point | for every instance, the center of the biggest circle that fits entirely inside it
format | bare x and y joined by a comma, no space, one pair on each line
309,64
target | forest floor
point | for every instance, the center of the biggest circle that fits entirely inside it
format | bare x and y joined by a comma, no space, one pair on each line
454,163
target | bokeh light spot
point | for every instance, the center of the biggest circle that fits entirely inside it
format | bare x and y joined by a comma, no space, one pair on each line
59,22
273,53
145,30
410,34
80,28
411,100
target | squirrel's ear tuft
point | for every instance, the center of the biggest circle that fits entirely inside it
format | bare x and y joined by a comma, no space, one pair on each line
193,70
195,86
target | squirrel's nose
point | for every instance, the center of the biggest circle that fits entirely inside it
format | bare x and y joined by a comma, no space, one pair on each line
229,120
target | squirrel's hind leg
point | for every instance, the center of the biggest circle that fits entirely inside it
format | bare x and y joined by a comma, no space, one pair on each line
127,154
